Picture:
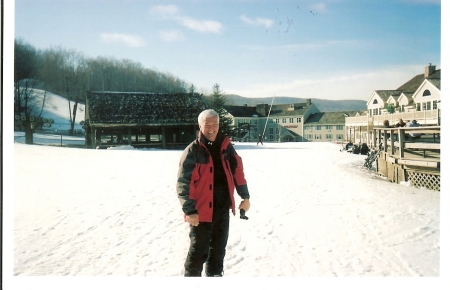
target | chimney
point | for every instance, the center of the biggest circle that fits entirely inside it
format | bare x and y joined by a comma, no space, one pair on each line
429,70
308,102
262,109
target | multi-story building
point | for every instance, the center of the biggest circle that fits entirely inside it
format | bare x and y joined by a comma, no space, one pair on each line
277,123
419,99
326,126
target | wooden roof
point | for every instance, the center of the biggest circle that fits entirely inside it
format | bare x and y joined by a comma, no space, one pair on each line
142,108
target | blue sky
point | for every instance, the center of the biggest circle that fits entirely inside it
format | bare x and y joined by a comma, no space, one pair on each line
330,49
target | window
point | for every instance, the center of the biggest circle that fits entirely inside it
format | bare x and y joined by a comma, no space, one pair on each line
339,127
308,128
418,107
428,106
328,127
426,93
317,136
299,120
375,102
283,120
434,105
291,120
329,136
339,136
318,127
309,136
276,120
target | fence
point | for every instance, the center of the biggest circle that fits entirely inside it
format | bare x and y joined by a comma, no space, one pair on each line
417,161
51,139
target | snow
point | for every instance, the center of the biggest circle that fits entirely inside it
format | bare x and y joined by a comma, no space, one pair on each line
111,218
96,219
57,108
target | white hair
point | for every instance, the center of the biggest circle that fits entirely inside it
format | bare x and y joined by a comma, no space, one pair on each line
207,114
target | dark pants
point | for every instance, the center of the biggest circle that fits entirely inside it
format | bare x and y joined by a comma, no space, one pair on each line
208,243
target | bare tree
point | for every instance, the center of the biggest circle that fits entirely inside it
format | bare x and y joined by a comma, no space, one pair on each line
28,105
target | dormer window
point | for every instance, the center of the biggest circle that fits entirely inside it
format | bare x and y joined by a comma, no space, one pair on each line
375,102
426,93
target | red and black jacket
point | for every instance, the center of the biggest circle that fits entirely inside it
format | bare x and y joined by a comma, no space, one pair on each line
195,181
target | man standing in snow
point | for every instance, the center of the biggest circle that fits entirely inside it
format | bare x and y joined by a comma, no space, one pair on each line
210,170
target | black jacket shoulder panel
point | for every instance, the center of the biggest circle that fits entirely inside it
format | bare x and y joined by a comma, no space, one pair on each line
200,153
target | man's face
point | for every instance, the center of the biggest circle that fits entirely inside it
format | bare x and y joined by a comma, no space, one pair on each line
210,127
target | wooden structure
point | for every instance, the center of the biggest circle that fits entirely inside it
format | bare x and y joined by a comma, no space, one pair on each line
141,119
414,160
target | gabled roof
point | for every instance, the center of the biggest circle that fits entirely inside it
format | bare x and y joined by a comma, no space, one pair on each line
409,97
143,108
413,84
436,83
242,111
283,110
327,118
276,111
385,94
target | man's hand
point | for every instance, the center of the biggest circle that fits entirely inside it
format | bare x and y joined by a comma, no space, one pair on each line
192,219
245,204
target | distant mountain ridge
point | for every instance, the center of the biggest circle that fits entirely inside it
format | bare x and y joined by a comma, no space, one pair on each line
321,104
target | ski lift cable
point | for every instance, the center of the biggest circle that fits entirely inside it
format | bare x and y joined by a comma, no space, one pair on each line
264,131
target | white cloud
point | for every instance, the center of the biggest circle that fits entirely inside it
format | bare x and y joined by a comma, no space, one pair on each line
267,23
171,12
171,35
358,85
128,40
200,25
165,10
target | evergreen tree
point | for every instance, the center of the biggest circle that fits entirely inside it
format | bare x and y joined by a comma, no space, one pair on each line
390,108
217,103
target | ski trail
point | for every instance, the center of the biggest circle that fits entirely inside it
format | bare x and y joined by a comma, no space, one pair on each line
382,252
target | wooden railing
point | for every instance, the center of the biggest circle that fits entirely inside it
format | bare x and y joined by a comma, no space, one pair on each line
431,117
396,144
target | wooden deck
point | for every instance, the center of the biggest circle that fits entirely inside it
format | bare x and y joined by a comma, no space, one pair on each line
406,159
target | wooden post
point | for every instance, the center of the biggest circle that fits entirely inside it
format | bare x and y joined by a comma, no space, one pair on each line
374,138
93,137
163,133
392,141
401,142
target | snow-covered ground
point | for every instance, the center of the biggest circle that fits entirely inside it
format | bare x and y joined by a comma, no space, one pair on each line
100,218
56,108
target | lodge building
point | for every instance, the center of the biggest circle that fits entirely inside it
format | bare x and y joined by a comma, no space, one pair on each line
141,119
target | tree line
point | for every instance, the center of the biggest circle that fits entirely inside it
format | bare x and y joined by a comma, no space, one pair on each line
70,74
